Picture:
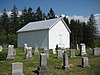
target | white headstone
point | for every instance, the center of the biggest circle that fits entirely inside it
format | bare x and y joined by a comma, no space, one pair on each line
17,68
46,51
25,47
77,47
36,52
54,51
85,62
60,54
1,48
29,53
10,55
72,53
83,49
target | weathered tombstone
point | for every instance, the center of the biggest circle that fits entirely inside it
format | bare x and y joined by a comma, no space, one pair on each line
85,62
96,51
10,55
54,51
59,54
43,64
25,47
72,53
36,52
1,48
46,51
14,51
29,53
82,49
5,46
77,47
17,68
65,66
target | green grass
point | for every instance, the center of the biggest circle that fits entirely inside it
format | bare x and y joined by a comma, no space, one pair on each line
54,64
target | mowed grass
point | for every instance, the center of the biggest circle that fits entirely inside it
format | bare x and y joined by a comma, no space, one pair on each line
54,64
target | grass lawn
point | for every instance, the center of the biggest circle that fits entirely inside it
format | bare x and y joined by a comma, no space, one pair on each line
54,64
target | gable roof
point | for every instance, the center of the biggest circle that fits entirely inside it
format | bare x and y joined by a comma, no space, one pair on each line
39,25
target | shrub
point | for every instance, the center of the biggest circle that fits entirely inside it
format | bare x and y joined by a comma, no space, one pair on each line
2,56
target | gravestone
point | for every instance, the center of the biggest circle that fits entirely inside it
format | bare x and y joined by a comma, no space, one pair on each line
65,66
46,51
17,68
85,62
43,64
5,46
96,51
59,54
82,49
29,53
36,52
25,47
1,48
77,47
54,51
14,51
72,53
10,55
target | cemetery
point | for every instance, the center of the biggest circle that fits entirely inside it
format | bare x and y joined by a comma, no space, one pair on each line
68,62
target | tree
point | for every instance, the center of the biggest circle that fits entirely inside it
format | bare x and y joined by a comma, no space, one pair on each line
4,22
14,25
92,30
51,14
38,14
30,15
23,18
4,27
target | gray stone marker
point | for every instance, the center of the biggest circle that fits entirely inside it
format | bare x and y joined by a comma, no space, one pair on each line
96,51
43,64
36,52
54,51
65,66
46,51
77,47
17,68
85,62
5,46
29,53
60,54
83,49
1,48
25,47
72,53
10,55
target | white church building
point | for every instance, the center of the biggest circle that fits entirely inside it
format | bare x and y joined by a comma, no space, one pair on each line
46,33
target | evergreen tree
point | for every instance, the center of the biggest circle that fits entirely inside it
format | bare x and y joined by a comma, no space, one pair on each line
23,18
14,21
4,22
38,14
92,30
30,15
51,14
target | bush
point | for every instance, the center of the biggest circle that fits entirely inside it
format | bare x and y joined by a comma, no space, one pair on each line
3,56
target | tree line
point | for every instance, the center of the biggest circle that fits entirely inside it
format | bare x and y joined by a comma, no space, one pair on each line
81,32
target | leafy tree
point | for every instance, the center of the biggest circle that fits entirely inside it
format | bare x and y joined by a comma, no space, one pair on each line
51,14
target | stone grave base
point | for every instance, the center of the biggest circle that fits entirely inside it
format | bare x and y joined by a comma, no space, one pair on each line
66,68
43,70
